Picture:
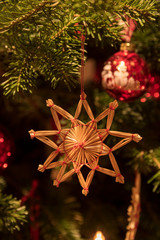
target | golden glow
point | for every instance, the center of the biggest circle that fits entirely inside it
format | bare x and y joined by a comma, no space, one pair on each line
99,236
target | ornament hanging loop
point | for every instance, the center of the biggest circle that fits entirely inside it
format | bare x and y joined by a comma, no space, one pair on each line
82,66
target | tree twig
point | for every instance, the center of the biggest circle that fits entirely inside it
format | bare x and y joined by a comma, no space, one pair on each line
27,15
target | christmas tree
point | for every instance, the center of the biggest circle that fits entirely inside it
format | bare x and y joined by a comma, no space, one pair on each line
41,56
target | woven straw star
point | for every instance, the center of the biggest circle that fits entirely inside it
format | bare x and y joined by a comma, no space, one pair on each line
82,144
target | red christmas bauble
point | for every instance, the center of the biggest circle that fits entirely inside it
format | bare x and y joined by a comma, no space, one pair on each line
6,147
125,75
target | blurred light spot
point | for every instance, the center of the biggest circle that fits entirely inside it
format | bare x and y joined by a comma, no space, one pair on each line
121,98
99,236
148,94
152,80
156,95
143,100
142,87
5,165
8,154
1,140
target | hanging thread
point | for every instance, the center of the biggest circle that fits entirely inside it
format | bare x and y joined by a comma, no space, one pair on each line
82,66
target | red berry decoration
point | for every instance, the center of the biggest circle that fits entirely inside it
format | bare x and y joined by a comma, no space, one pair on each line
6,146
125,75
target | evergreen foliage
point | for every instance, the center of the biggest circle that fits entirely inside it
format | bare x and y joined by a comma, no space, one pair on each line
40,41
67,222
12,214
145,121
42,38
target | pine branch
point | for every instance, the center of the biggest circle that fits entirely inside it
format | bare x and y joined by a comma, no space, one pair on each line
12,214
156,162
68,219
25,17
63,29
152,160
44,34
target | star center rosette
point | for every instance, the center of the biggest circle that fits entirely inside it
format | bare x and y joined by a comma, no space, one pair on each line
83,144
125,75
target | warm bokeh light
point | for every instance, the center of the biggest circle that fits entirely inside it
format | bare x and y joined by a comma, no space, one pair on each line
143,100
5,165
6,148
156,94
148,95
99,236
1,140
121,98
8,154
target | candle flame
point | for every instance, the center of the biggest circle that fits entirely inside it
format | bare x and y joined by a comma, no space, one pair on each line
99,236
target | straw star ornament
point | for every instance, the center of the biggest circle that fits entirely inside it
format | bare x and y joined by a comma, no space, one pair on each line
82,144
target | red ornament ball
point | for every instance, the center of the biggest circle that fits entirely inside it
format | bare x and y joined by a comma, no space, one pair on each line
125,75
6,147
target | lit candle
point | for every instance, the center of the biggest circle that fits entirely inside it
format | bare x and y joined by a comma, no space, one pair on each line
99,236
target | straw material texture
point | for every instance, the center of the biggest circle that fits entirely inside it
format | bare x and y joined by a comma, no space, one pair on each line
134,209
82,144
